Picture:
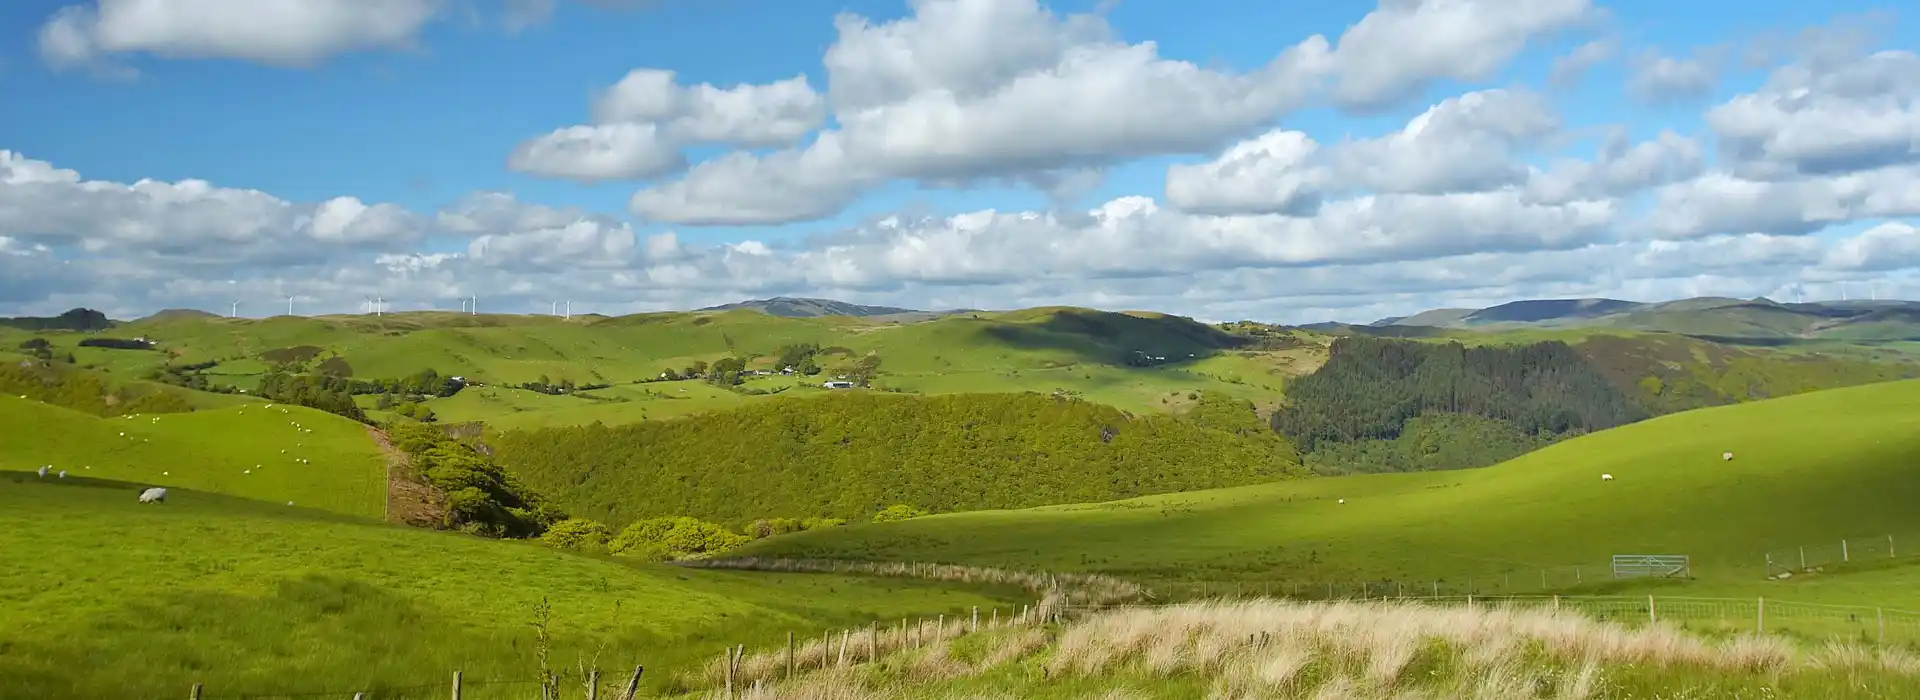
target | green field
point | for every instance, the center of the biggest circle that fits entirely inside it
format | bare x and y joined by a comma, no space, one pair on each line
1810,468
110,598
248,451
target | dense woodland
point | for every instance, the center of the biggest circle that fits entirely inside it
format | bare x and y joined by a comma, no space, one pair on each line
1371,387
1429,442
852,455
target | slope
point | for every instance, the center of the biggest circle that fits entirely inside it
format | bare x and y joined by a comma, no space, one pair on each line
108,598
851,454
1812,467
249,452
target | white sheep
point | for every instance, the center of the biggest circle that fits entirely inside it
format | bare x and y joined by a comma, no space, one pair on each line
43,472
63,474
1726,456
1606,477
1343,500
153,495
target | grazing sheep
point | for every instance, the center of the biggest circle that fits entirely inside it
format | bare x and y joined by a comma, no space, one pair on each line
1606,477
63,474
153,495
1343,500
1726,456
43,472
246,471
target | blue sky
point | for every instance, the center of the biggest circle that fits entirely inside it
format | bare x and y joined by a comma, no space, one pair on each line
411,107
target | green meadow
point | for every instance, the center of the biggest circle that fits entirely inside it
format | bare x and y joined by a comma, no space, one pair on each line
250,451
1811,468
110,598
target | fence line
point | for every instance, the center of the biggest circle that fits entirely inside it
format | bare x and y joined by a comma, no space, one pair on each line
1813,558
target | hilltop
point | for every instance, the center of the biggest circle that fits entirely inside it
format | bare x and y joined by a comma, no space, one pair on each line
800,307
1733,320
1807,468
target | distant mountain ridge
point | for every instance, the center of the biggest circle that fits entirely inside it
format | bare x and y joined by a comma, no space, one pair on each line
1705,317
806,307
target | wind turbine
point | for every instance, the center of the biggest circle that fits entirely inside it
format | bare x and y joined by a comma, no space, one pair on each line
569,309
474,308
235,312
289,306
553,308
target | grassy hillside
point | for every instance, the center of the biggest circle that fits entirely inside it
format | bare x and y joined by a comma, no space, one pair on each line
108,598
1136,361
851,454
250,452
1808,468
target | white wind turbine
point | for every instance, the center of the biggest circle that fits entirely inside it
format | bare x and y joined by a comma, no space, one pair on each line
235,311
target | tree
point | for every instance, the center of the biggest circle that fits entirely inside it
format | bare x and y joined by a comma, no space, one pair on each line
898,512
865,369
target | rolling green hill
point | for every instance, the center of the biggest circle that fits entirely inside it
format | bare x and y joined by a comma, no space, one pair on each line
108,598
1808,468
250,452
853,453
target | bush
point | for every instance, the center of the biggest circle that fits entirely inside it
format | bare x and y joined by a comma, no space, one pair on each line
898,512
479,492
577,534
676,537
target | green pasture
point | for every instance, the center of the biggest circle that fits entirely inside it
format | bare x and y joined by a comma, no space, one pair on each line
109,598
1811,468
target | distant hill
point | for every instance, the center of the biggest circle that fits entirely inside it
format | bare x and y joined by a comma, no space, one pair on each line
799,307
179,314
1718,318
73,320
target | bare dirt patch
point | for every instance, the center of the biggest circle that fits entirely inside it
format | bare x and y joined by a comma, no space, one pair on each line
410,501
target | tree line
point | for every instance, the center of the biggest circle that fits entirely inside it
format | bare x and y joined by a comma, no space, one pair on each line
1353,409
851,455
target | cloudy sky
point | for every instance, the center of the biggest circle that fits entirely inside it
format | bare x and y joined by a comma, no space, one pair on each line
1279,161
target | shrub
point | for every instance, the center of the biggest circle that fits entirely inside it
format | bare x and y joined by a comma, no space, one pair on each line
897,512
678,537
578,534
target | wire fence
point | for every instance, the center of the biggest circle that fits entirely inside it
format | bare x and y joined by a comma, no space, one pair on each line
1815,558
1543,580
565,684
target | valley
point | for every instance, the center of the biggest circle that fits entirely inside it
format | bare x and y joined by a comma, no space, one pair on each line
369,501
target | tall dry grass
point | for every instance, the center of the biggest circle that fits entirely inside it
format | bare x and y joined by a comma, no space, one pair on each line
1278,649
1079,589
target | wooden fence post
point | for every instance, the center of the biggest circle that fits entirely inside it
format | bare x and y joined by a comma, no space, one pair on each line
1436,589
456,685
1760,617
1843,550
995,624
873,642
976,619
727,658
1556,601
844,634
633,684
196,692
789,655
1651,618
593,684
